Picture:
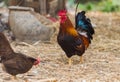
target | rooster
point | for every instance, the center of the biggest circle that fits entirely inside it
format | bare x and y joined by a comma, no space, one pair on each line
72,41
14,63
68,38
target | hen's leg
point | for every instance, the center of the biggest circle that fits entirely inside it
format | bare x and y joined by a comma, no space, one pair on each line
14,78
26,80
81,59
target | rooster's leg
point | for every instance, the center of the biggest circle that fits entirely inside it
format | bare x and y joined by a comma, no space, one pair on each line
70,61
81,59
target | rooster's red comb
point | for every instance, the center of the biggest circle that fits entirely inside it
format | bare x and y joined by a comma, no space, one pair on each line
62,12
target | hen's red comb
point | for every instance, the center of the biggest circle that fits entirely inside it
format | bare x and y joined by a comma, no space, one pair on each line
62,12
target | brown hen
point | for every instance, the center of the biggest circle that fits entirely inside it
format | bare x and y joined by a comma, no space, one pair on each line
14,63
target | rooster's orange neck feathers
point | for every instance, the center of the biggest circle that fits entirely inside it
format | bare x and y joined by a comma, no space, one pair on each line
67,27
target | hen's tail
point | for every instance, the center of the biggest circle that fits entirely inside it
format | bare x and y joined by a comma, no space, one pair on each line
84,24
5,47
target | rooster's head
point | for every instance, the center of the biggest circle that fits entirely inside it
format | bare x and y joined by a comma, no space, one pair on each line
63,15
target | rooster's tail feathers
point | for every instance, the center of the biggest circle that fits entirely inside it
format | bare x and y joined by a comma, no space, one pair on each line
84,24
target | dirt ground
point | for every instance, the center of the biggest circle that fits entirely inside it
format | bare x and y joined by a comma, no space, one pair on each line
101,59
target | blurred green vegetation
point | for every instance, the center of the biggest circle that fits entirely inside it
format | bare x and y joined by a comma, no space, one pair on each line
5,2
99,5
95,5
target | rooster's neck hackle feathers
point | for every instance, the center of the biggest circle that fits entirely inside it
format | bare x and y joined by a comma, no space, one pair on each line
65,24
67,27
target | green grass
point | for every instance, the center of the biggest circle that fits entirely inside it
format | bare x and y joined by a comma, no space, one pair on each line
104,5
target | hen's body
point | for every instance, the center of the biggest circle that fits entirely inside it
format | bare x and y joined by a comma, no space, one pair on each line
14,63
17,63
